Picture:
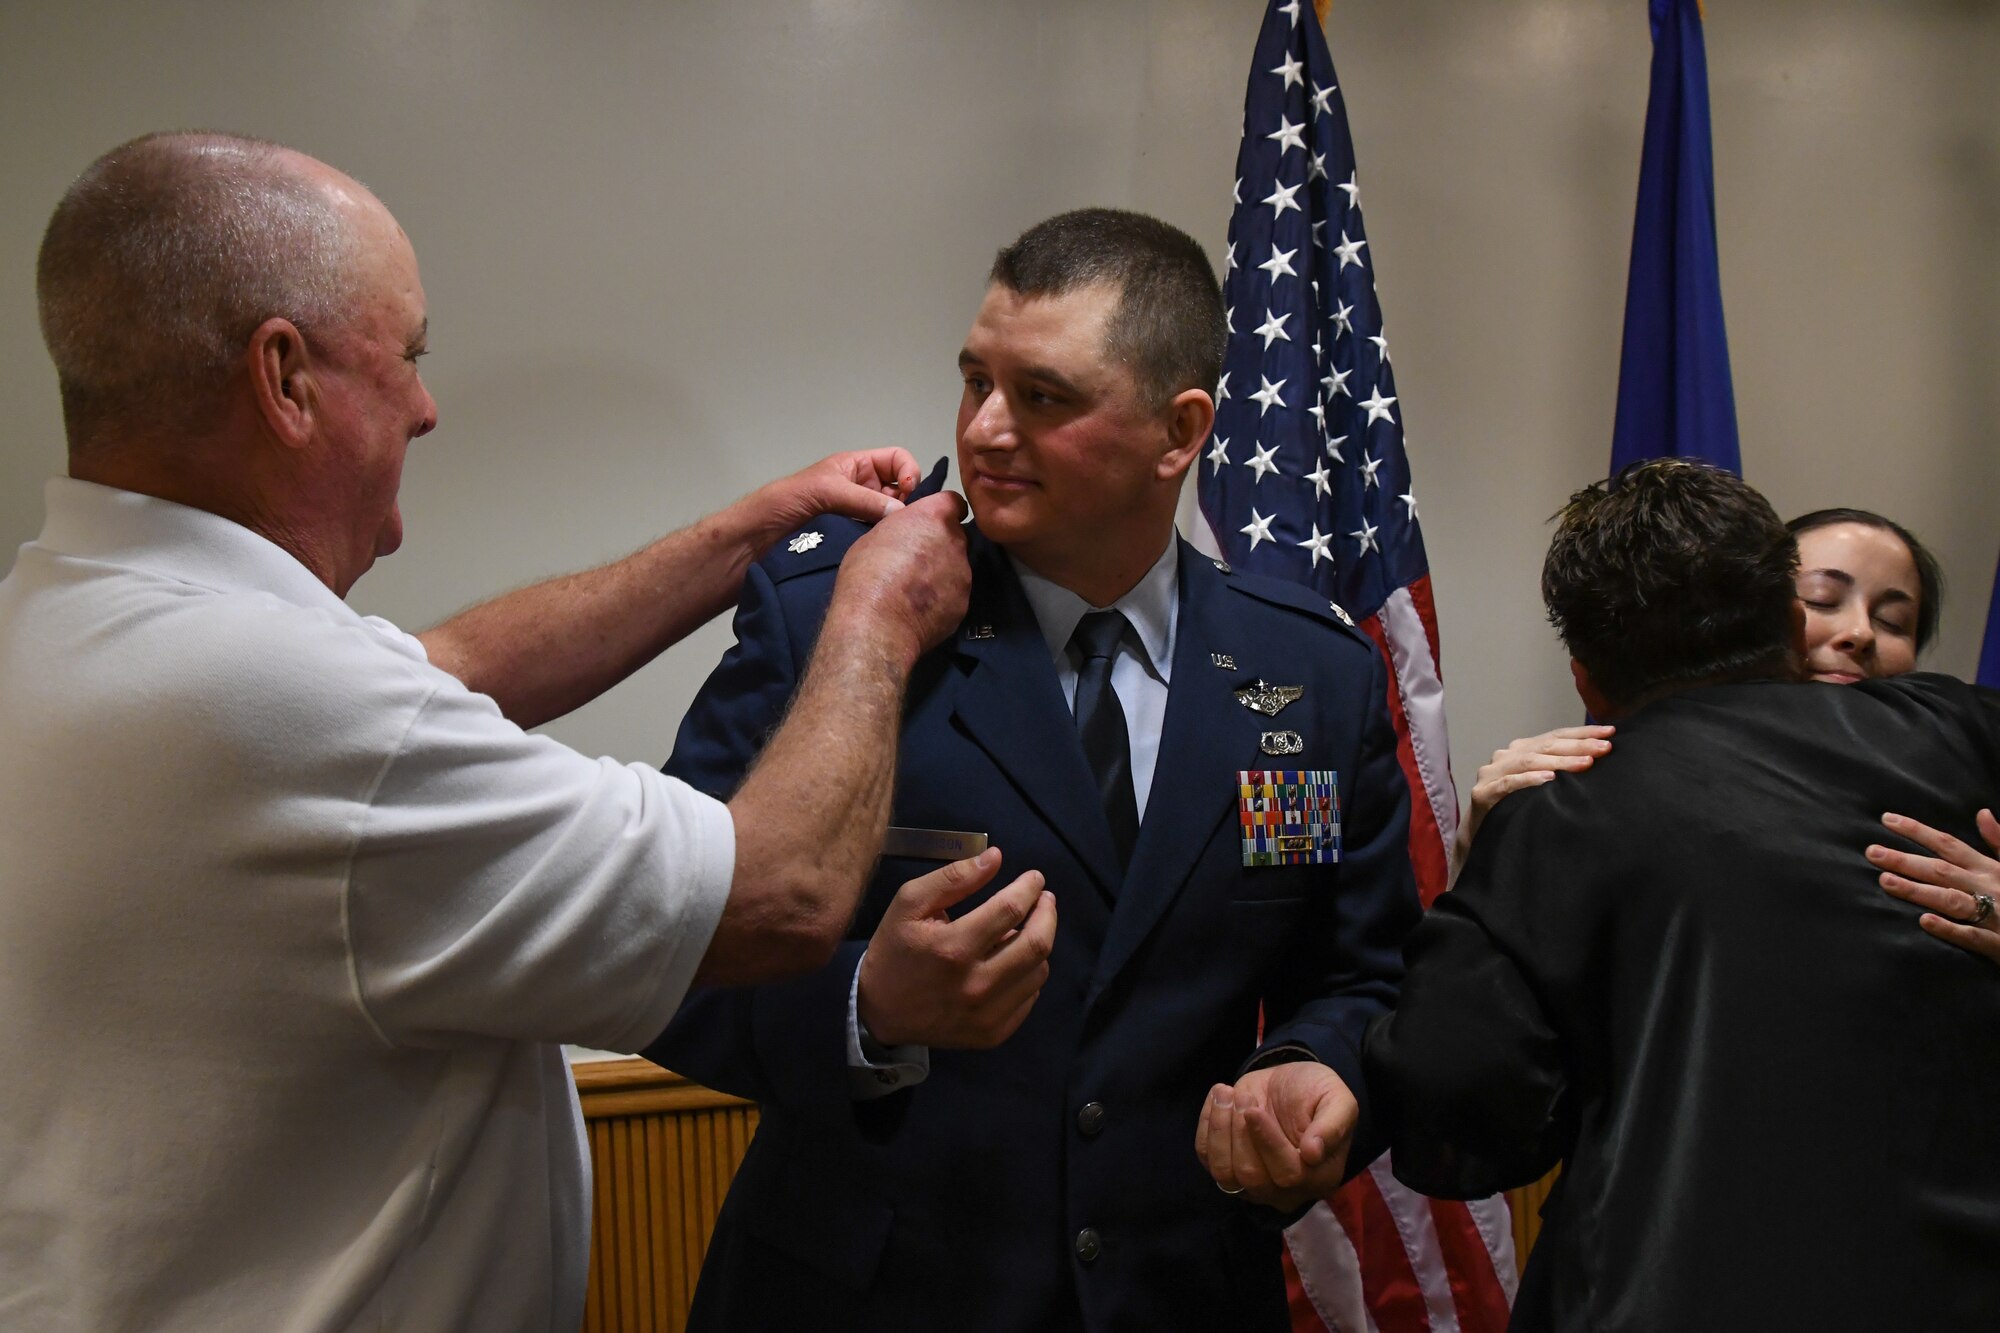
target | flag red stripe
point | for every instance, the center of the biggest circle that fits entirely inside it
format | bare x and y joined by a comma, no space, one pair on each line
1475,1289
1388,1282
1427,850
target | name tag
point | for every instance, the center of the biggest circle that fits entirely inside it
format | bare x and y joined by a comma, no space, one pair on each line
932,844
1289,817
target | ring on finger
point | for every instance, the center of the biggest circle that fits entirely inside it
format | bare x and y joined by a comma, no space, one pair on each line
1983,908
1226,1190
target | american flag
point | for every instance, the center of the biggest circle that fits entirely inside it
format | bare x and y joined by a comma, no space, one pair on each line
1307,478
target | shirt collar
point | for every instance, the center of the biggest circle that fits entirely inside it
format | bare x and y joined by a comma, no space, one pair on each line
1151,606
87,521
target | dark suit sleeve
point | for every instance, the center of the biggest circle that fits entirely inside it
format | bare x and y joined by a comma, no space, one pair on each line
1361,917
784,1042
1469,1069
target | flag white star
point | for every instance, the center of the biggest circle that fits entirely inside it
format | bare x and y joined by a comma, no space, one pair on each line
1229,319
1288,135
1218,452
1409,498
1293,10
1258,529
1268,396
1343,318
1279,264
1322,100
1333,443
1349,251
1366,536
1236,191
1229,259
1316,167
1352,189
1336,382
1378,407
1317,544
1273,328
1321,480
1319,415
1282,198
1381,341
1263,461
1222,387
1291,71
1369,467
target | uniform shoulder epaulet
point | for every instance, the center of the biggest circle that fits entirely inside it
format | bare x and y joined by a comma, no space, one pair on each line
820,544
1297,597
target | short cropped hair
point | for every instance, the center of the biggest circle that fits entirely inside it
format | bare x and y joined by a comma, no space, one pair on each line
1671,574
161,260
1930,575
1169,326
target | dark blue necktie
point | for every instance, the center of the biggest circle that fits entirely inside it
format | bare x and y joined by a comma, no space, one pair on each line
1100,724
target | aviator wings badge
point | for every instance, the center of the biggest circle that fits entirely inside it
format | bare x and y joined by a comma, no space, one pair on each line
1260,696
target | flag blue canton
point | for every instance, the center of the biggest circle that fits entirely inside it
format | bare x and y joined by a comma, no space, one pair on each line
1306,477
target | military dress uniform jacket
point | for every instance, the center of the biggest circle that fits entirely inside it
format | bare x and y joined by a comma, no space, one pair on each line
1051,1183
1773,1095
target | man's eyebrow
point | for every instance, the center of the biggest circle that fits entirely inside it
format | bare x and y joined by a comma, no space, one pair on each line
421,337
966,358
1053,378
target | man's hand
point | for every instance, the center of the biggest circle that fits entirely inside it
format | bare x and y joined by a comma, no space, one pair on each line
905,583
1280,1136
1949,885
928,980
1527,762
864,484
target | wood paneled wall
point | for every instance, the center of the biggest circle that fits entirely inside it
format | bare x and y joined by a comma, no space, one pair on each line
662,1152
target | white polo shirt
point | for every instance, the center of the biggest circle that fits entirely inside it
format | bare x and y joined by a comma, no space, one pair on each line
291,924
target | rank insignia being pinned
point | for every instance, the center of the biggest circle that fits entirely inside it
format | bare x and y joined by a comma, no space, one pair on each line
804,542
1289,817
1341,612
1221,565
1223,660
1281,742
1260,696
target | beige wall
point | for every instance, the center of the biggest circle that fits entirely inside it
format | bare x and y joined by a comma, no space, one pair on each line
672,249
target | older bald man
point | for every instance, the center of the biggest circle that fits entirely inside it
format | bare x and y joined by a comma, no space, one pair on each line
290,897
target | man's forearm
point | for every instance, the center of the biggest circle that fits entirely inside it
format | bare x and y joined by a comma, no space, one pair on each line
810,815
544,650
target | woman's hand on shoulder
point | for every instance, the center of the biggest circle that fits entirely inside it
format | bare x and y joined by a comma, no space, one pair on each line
1528,762
1957,885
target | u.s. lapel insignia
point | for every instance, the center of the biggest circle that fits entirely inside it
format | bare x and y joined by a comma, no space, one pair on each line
1341,611
1288,817
978,631
1260,696
804,542
1281,742
1221,566
1223,660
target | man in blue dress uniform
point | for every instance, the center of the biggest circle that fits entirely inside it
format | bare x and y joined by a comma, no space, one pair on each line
983,1113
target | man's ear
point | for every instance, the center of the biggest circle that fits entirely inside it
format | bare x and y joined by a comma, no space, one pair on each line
281,381
1595,702
1189,418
